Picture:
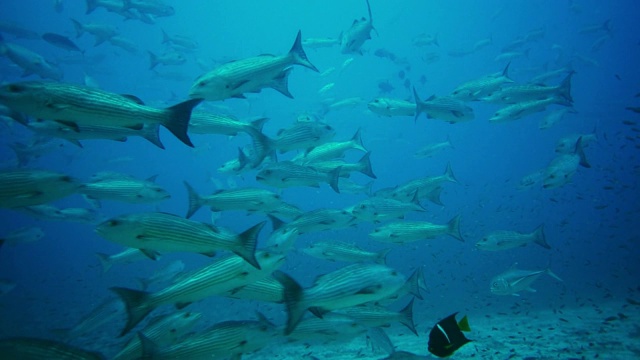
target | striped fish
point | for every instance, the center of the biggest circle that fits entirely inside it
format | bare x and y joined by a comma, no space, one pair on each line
363,166
126,256
302,135
249,199
124,188
74,134
423,186
331,150
27,348
209,123
166,329
170,233
284,174
409,231
223,275
225,339
350,286
341,251
20,188
321,220
479,88
332,327
529,92
251,75
105,312
447,108
266,289
77,105
378,316
378,209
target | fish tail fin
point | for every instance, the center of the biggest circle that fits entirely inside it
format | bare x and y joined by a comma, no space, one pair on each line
263,146
540,238
144,283
553,275
334,179
448,174
298,54
153,60
382,256
91,6
564,90
420,105
195,200
293,300
165,37
406,317
356,139
78,27
137,305
505,72
248,241
151,133
178,119
369,11
281,83
369,188
150,349
434,196
105,262
415,200
453,228
256,125
365,164
579,150
413,284
463,324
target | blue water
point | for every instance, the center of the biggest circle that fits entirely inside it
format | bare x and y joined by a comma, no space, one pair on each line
593,230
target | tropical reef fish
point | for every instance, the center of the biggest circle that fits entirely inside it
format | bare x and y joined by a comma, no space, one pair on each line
77,105
251,75
514,280
446,336
506,239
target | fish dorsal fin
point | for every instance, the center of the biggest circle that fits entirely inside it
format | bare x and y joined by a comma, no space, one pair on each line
463,324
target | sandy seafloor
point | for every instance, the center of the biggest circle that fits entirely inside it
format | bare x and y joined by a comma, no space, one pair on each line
608,330
571,333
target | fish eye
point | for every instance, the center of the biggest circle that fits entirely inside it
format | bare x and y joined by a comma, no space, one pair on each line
363,206
113,223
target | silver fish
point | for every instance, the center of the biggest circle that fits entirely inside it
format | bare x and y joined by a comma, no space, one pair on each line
249,75
20,188
392,107
341,251
34,348
409,231
77,105
561,169
445,108
352,39
124,188
512,281
506,239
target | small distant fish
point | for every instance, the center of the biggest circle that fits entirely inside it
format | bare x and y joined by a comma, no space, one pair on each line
341,251
180,41
431,149
23,235
166,59
126,256
101,32
446,336
425,40
555,117
385,86
503,240
315,43
512,281
61,41
17,30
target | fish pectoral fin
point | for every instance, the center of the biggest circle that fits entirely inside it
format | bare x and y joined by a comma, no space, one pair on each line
182,305
151,254
70,124
318,311
237,85
368,290
209,253
135,127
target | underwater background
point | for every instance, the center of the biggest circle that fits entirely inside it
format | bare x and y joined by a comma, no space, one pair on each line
590,223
